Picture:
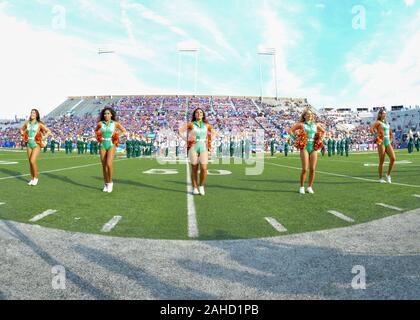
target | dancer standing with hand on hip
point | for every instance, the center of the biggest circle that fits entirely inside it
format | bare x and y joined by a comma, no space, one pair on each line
34,134
383,138
199,139
107,136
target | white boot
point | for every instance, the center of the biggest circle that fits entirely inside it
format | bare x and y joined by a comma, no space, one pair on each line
35,182
202,192
110,187
105,188
310,190
31,182
388,179
302,190
196,192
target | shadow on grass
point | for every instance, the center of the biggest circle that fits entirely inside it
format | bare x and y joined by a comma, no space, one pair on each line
70,181
141,185
15,173
227,187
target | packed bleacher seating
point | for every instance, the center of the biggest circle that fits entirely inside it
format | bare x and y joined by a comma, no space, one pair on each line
230,116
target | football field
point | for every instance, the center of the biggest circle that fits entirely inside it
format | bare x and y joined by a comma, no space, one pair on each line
150,199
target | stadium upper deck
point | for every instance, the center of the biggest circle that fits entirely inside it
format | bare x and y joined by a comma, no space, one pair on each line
80,106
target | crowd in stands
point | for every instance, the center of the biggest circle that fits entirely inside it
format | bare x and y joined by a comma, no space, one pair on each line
231,117
9,137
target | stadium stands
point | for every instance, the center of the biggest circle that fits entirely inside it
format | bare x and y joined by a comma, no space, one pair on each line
230,116
66,107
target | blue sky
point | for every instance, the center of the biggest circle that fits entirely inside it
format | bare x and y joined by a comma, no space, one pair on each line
52,49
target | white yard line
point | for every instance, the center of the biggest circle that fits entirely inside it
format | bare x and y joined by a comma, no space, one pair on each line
363,163
55,158
11,151
58,170
340,175
341,216
2,203
389,207
8,163
43,215
276,225
341,161
111,224
416,195
192,215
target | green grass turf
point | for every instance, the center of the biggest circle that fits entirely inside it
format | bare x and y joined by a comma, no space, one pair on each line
155,206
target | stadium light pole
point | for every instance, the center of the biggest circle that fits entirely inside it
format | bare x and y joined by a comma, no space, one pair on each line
105,51
186,49
179,71
261,79
269,52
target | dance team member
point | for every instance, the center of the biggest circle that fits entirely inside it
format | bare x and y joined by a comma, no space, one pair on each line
383,138
34,134
309,142
199,139
108,137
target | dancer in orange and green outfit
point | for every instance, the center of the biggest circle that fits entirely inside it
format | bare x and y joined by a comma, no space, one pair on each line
199,140
309,143
383,138
107,136
34,134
